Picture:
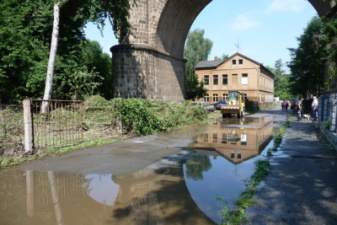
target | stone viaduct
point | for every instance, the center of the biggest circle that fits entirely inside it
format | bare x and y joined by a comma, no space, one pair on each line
149,62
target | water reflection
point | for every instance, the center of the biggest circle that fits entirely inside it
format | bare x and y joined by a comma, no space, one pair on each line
196,166
145,197
230,147
173,193
237,141
101,188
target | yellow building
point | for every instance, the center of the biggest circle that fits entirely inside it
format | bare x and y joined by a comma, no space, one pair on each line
237,73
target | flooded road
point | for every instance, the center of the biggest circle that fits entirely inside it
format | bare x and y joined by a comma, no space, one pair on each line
169,178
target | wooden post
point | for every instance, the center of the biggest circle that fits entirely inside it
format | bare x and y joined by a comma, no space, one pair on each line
28,125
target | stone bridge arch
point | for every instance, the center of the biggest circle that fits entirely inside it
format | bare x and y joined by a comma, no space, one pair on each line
149,62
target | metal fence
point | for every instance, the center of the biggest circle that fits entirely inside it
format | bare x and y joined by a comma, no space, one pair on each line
327,110
60,125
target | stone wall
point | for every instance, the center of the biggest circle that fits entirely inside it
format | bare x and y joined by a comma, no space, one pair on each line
140,71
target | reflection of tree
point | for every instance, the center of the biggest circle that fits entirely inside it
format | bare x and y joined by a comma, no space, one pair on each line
196,165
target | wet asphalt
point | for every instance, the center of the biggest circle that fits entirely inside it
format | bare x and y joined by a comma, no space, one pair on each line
121,157
302,185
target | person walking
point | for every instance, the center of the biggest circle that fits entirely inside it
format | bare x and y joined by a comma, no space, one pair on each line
286,105
314,107
300,109
283,105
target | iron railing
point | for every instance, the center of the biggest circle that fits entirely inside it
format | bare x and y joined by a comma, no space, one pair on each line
60,125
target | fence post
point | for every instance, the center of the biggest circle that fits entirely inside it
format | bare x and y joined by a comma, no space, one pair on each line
28,125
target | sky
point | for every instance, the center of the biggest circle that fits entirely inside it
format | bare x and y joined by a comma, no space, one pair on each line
262,30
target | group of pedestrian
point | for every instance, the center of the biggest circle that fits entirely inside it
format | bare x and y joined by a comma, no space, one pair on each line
285,105
299,107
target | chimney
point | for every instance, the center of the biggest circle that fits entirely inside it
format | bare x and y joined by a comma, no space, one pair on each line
215,57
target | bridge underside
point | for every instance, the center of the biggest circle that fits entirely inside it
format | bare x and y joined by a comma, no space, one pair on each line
149,62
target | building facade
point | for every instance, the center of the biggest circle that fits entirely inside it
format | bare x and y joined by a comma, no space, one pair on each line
237,73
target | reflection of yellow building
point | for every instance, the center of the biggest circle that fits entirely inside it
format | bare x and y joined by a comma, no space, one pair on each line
237,143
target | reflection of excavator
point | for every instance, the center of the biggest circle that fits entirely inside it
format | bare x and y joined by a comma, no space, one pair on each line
236,105
232,135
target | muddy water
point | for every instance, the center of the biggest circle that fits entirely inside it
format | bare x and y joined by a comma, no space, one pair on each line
221,157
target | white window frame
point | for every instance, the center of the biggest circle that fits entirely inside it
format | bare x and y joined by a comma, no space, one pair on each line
206,98
244,79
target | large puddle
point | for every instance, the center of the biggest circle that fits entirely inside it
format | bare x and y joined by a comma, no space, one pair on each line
221,157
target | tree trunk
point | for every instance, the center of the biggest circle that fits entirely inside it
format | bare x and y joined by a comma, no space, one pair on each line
52,58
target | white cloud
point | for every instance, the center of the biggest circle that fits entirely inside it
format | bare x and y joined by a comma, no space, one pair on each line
286,5
244,22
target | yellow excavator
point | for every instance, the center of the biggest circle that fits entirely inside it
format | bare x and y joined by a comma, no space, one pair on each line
236,105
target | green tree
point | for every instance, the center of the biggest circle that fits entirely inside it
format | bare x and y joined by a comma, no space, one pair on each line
26,37
224,56
281,80
98,61
330,38
307,61
197,48
195,89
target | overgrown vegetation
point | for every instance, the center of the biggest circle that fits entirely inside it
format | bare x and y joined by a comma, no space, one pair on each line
236,214
197,49
104,121
24,47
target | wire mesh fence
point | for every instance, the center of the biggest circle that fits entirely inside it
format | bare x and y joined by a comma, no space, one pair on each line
60,125
64,123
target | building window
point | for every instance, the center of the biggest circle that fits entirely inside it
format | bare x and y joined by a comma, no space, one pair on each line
215,137
240,61
234,79
243,139
224,96
206,80
224,79
234,62
206,138
206,98
224,138
215,98
215,79
244,79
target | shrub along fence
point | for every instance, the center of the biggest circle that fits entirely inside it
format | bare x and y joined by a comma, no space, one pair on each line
11,129
68,123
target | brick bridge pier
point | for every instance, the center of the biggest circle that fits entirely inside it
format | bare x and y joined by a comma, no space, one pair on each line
149,62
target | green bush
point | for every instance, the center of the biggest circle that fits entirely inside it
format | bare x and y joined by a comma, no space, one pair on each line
145,117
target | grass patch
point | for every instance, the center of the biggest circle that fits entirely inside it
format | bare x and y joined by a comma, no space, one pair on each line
7,162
